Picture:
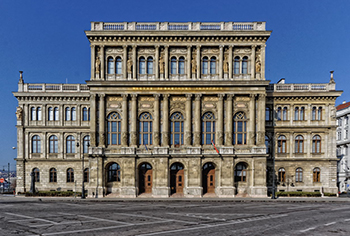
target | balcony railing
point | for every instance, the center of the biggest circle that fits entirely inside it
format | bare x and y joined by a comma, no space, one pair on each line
53,88
300,87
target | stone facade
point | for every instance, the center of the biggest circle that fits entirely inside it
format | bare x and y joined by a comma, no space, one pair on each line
176,109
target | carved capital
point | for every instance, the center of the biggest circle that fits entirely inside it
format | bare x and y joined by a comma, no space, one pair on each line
125,97
134,97
221,97
166,96
156,96
188,97
198,97
101,95
230,96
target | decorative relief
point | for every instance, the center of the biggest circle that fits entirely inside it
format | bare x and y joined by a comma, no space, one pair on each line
177,105
133,135
119,99
194,62
258,61
182,51
241,105
129,65
210,51
146,50
115,105
210,99
146,99
161,62
114,50
242,99
19,113
178,99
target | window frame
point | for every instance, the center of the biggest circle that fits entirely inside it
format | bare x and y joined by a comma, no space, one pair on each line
208,128
240,122
70,175
114,128
145,129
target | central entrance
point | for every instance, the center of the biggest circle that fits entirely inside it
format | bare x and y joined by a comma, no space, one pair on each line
208,178
177,178
145,178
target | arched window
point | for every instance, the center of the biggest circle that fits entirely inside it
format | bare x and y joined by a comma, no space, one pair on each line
173,66
70,175
267,144
32,113
150,65
213,66
142,66
118,68
319,113
302,113
281,175
50,111
316,144
299,144
236,65
245,65
110,65
239,129
113,174
282,144
86,144
296,113
182,65
285,113
56,114
177,129
36,175
86,114
36,144
86,175
317,175
53,144
145,129
67,113
205,66
70,144
241,172
208,128
113,129
38,113
299,175
313,113
53,175
268,114
73,114
279,113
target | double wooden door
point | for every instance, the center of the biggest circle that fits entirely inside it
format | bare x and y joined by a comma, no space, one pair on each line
177,181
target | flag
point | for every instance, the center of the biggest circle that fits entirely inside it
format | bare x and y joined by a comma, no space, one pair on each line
146,147
212,143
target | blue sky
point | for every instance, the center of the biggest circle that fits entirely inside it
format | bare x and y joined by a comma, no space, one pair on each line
46,40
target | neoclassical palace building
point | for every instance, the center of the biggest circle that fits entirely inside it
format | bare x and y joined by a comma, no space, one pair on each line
177,109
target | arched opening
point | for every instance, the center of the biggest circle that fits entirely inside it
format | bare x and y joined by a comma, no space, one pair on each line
176,178
208,178
145,178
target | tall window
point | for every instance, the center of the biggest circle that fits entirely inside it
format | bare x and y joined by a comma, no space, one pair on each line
319,113
245,65
299,175
113,174
150,65
70,175
73,114
86,114
67,113
32,113
142,66
177,129
302,113
236,66
239,129
50,111
299,144
145,129
213,66
205,66
36,144
285,113
268,114
241,172
317,175
53,175
346,120
113,129
282,144
53,144
86,144
70,144
110,65
182,65
86,175
279,113
56,114
281,175
299,113
36,175
296,113
208,128
316,144
267,144
173,66
118,68
313,113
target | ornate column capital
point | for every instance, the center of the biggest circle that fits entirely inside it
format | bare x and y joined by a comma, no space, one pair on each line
125,97
134,96
166,96
188,96
230,96
221,46
92,96
252,95
156,46
198,96
92,45
262,96
230,46
156,96
125,46
221,97
101,95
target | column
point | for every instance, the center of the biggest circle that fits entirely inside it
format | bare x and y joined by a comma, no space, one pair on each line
197,121
166,61
263,61
229,117
252,63
102,119
165,120
221,48
92,61
220,127
60,114
26,115
93,120
134,62
125,61
251,130
261,120
124,140
102,48
44,114
133,131
156,65
198,61
188,61
188,121
230,59
156,121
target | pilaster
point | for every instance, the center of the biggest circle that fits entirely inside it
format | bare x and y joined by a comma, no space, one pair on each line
198,61
165,120
220,121
92,62
166,60
229,115
156,64
133,131
252,63
188,121
93,120
197,120
156,120
252,125
124,140
221,48
230,59
188,61
125,59
134,62
102,118
102,48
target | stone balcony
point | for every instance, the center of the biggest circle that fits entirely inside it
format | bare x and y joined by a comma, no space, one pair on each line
301,87
52,88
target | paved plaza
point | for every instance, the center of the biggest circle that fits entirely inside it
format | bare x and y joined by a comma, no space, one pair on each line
50,216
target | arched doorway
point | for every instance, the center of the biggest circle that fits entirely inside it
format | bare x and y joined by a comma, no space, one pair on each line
176,178
208,178
145,178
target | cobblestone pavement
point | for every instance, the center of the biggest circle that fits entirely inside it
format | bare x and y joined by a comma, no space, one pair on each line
48,216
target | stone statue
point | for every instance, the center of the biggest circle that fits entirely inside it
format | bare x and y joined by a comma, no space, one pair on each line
161,63
97,65
19,112
129,65
257,64
194,65
225,65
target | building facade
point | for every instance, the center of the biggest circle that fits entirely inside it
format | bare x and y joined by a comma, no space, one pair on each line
177,109
343,143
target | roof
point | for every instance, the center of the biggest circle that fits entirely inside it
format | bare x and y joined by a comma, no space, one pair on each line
343,106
